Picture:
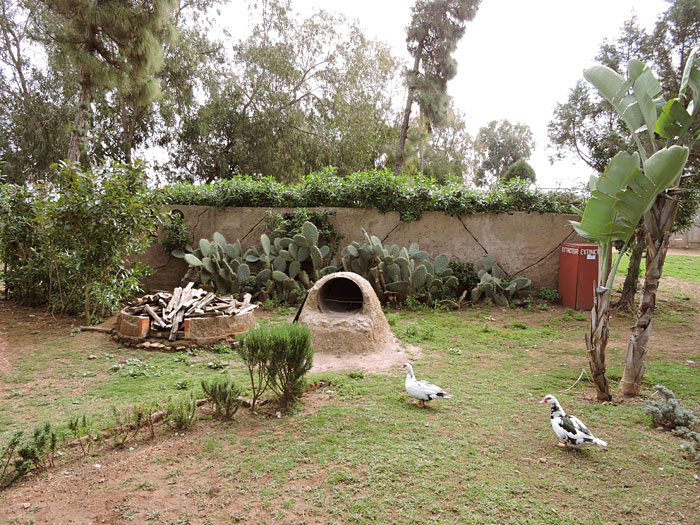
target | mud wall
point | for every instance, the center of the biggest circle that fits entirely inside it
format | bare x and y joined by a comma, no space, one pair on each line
523,243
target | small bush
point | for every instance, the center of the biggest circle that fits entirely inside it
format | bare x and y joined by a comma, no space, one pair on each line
181,413
277,356
669,412
254,349
80,427
223,395
19,456
177,235
467,276
549,294
291,358
692,447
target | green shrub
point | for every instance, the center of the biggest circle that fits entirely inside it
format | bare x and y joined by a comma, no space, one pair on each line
177,235
669,413
277,356
549,294
381,190
181,413
19,456
467,277
501,290
692,447
292,223
68,243
82,429
291,357
254,349
223,394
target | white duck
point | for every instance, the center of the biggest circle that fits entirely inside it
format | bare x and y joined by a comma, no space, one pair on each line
422,390
569,429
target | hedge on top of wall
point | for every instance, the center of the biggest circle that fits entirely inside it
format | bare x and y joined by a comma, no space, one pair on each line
382,190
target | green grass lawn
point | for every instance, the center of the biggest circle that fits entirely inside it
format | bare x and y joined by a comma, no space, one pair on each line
678,266
358,450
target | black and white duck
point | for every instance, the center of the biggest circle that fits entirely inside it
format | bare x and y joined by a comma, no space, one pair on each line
569,429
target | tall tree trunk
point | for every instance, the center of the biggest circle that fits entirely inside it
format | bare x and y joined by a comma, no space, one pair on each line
407,110
597,342
658,223
629,289
79,131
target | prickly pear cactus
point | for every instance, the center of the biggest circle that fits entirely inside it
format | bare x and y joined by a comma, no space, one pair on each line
500,290
397,273
282,266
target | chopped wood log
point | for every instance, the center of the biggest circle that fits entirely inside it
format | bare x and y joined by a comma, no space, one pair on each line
174,299
96,329
154,315
176,323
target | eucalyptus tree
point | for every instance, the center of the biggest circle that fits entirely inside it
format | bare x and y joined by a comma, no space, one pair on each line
111,45
33,100
448,151
436,27
641,184
497,146
297,95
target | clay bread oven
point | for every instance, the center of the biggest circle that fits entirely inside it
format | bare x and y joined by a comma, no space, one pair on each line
344,316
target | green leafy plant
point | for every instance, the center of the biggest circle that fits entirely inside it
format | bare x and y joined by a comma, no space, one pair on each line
291,357
69,242
255,350
124,426
381,190
669,413
19,456
182,384
176,233
635,186
283,267
292,223
181,412
136,368
223,394
82,429
549,294
467,277
7,454
398,273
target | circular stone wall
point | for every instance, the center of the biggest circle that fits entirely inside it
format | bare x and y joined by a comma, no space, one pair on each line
344,316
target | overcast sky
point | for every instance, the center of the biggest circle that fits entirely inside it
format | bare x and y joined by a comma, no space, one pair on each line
516,60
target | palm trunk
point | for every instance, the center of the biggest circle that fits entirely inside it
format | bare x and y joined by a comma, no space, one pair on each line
407,111
597,342
629,289
658,224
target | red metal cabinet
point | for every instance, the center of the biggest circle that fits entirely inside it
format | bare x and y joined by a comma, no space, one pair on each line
578,273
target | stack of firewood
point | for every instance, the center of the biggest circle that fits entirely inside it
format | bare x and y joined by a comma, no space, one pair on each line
169,310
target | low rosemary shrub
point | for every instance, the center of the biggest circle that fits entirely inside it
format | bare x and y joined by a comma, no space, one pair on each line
223,394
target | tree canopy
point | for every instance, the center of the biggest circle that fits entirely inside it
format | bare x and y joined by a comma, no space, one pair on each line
497,146
436,27
587,127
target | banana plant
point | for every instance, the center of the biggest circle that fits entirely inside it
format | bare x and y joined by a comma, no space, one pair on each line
632,184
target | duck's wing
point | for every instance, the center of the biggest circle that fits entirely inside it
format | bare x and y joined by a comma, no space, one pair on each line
431,390
579,426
